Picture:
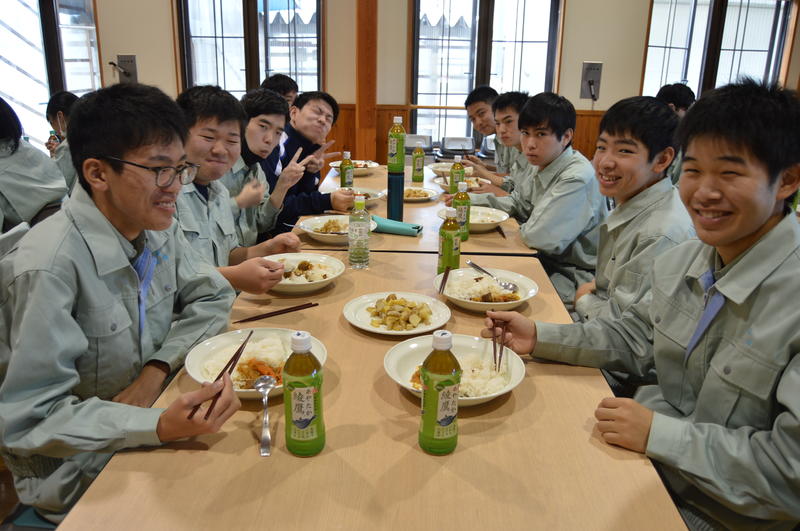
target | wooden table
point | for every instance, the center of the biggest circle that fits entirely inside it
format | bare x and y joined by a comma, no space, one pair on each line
531,459
425,214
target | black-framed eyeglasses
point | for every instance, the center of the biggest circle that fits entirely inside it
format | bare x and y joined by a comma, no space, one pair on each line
165,175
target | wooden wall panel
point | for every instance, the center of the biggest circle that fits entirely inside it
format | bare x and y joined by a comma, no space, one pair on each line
343,132
587,127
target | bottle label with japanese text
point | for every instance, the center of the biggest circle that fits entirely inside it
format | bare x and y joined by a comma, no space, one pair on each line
305,404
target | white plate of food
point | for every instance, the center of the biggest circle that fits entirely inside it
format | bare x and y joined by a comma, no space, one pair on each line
265,353
477,292
329,229
361,167
371,197
367,313
482,219
443,169
415,194
473,183
480,383
306,272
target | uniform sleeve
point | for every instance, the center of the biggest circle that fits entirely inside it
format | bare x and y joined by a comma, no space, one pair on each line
38,412
505,203
267,214
202,304
756,473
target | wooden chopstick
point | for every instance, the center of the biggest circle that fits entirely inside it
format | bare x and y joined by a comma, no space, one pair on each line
502,346
494,343
500,230
229,367
444,279
278,312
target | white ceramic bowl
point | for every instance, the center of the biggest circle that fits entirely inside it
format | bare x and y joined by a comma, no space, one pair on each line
202,352
527,289
311,225
366,167
334,268
492,216
374,195
355,312
443,168
473,182
402,360
430,194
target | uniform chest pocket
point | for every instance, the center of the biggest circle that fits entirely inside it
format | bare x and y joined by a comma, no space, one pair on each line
672,321
226,226
112,358
192,230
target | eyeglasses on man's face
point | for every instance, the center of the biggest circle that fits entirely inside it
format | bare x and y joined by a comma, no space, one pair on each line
165,175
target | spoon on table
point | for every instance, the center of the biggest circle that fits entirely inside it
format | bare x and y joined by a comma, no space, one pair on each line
510,286
338,233
264,384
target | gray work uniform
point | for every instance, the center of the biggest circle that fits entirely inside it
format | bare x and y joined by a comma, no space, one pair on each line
63,159
207,224
559,209
71,339
256,219
726,424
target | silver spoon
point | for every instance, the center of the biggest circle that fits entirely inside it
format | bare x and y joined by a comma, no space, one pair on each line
338,233
510,286
264,384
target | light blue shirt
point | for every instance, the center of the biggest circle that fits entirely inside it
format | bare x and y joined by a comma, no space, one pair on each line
254,220
63,159
208,224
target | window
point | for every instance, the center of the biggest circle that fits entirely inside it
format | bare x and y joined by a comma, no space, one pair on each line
45,47
460,44
753,34
219,46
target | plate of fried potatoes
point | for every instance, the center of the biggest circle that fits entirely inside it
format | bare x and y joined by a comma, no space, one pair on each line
396,313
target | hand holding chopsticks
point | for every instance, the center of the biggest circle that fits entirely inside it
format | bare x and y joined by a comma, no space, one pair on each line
510,329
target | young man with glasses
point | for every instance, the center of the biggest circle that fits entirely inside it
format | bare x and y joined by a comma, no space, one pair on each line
100,303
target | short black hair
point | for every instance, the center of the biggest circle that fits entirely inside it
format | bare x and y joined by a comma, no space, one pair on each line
678,94
204,102
510,100
280,83
112,121
10,126
644,118
259,101
548,109
759,118
483,93
60,101
305,97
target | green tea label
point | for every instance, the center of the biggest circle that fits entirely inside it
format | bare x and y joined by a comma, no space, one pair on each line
392,149
305,408
347,178
440,404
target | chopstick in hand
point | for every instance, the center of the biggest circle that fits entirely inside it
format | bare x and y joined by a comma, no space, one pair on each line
501,346
500,230
277,312
444,279
229,367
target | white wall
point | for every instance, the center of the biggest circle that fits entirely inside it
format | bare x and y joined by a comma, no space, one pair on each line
392,52
340,54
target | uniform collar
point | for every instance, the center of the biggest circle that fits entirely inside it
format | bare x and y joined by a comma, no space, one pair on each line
214,190
638,204
750,269
554,168
109,249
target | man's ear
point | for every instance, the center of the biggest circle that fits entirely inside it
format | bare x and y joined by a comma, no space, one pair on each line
789,182
96,172
662,161
566,138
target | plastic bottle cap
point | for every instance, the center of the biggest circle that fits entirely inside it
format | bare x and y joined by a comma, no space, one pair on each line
398,119
301,341
442,340
458,158
347,154
359,200
462,186
450,212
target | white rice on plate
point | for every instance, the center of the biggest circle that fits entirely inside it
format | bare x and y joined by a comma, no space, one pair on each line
271,350
467,288
478,377
315,273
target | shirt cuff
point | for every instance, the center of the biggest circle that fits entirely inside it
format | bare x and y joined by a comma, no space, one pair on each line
548,341
666,442
140,428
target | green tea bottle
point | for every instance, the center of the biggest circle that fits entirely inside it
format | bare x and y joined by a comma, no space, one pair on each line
358,234
462,204
457,174
418,164
302,396
396,159
449,242
440,375
346,171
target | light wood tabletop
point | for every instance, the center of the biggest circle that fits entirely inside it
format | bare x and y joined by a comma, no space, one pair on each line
422,213
530,459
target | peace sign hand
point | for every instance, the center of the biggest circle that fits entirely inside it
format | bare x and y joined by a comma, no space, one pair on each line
318,158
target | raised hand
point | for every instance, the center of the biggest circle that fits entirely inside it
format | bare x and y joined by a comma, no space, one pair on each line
520,333
316,161
252,194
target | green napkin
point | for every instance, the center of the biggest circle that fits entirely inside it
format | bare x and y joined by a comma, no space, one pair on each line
391,226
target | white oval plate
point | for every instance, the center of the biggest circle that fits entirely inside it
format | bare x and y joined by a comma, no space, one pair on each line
527,289
309,225
473,182
357,315
374,195
201,352
432,194
402,360
443,168
357,172
497,216
335,266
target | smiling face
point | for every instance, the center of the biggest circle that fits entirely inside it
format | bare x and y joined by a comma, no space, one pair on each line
480,114
314,120
506,127
214,146
542,146
130,198
621,166
729,197
263,133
